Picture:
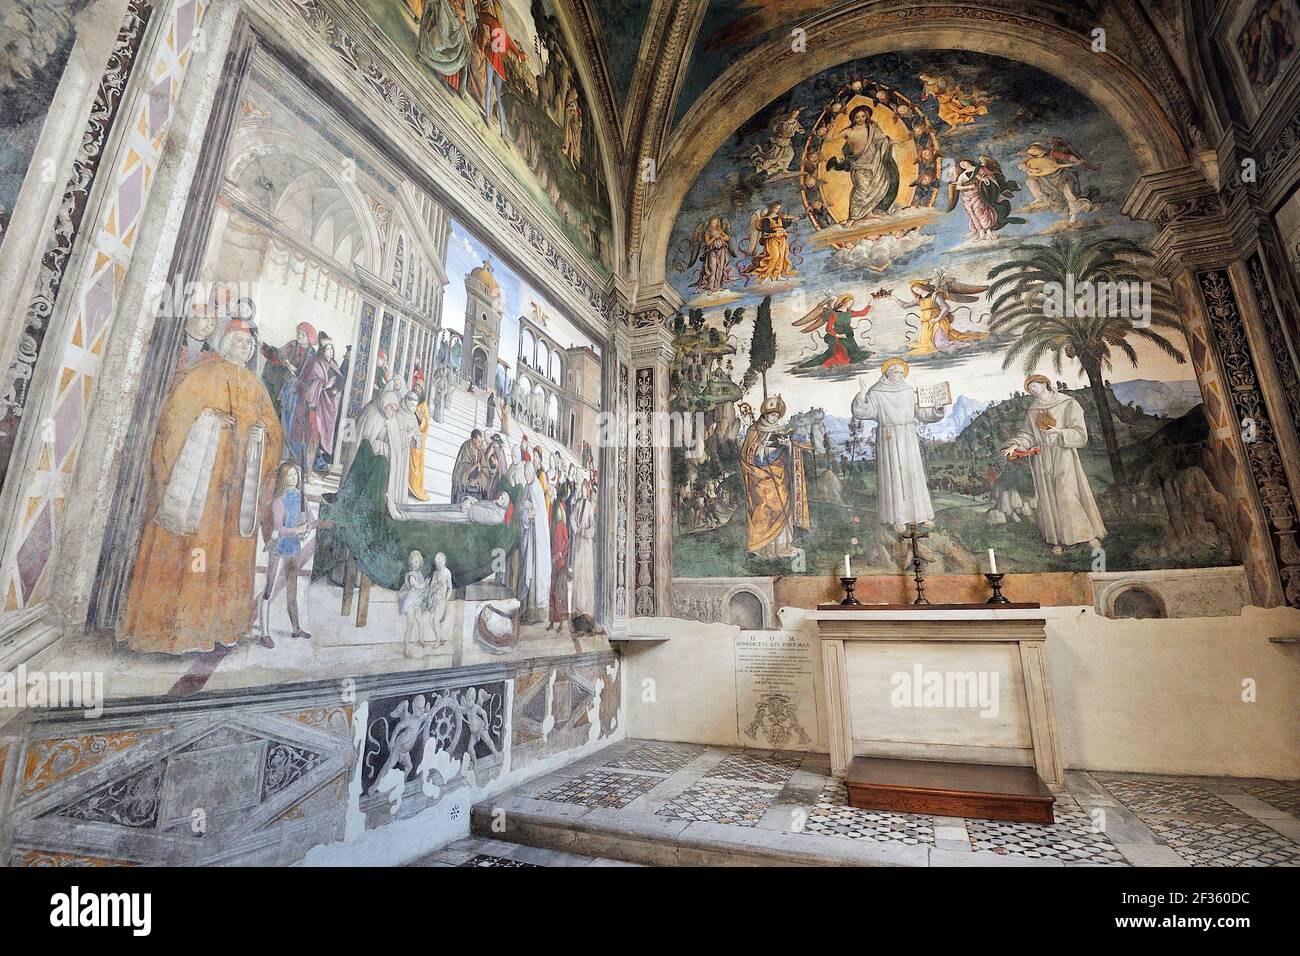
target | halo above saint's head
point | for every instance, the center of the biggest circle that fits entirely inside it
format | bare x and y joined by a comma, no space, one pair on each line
1038,378
891,363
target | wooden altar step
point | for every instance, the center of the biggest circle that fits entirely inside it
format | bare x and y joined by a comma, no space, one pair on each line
946,788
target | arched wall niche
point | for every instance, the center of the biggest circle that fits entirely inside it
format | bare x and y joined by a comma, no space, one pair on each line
1147,126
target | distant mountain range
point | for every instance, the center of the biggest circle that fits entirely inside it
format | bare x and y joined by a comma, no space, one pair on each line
959,416
1164,399
962,412
1167,399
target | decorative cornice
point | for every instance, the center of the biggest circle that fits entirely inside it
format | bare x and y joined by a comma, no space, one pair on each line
1186,210
372,71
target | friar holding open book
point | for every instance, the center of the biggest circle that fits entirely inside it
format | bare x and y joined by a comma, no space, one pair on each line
903,495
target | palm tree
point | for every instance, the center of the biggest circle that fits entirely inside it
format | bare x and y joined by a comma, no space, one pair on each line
1018,296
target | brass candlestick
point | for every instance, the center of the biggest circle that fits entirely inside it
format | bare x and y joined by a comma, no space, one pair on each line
996,581
918,562
849,599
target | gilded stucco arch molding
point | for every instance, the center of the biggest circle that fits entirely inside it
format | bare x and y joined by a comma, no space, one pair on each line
734,97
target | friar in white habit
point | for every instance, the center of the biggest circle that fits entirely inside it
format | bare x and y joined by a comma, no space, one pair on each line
391,435
535,553
903,496
1053,429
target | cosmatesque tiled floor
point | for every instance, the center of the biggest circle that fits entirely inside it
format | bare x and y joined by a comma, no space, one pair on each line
1103,819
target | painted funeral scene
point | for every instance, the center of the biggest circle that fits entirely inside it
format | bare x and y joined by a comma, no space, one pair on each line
912,299
375,440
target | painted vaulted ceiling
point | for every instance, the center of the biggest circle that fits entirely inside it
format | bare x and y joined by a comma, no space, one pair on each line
629,86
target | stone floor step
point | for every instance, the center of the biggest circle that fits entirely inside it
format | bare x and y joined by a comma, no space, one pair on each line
478,851
651,840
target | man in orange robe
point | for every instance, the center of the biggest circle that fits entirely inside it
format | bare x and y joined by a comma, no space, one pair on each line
216,449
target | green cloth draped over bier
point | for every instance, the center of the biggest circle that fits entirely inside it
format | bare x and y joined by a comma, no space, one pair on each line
381,544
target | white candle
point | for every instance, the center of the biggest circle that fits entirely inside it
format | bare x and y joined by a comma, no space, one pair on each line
993,562
846,567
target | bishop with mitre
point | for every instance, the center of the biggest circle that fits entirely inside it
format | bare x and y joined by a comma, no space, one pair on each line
776,491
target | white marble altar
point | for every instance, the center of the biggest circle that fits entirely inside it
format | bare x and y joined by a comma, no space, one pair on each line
963,685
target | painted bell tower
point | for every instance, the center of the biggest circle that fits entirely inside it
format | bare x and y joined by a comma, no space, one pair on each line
484,306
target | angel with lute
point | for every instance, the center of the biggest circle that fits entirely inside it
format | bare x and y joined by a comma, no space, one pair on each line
833,318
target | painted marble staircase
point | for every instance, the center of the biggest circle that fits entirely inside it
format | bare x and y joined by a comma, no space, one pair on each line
462,413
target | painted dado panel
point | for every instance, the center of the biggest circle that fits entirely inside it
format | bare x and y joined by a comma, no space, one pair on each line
264,778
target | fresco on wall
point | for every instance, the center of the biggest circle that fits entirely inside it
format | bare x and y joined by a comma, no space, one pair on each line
1266,41
729,30
890,275
38,40
504,65
351,476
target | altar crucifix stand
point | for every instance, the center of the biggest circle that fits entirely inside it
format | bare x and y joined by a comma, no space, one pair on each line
941,708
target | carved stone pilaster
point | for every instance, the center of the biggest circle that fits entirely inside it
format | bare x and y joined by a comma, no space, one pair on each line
652,353
617,463
1241,376
1209,234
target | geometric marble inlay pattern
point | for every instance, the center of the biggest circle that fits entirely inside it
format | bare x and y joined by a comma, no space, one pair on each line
601,788
52,760
832,816
655,758
46,858
1167,796
720,803
757,766
1073,838
1225,842
483,859
285,764
1283,796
